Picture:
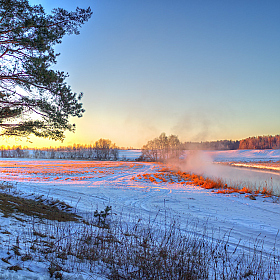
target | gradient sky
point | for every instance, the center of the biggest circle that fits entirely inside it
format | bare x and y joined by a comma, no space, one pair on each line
202,70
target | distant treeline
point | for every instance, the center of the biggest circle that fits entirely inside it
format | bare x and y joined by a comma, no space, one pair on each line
213,145
251,143
261,142
161,148
103,149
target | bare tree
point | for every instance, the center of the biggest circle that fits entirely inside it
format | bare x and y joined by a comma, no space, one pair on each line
162,148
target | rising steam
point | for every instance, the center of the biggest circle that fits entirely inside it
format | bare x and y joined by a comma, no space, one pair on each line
203,163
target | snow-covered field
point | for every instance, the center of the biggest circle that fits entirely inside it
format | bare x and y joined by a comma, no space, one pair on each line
95,185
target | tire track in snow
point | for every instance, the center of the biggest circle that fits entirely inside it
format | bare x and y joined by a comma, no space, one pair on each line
242,217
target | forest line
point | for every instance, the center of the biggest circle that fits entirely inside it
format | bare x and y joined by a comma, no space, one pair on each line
159,149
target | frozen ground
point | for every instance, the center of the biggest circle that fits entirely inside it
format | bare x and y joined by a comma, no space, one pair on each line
94,185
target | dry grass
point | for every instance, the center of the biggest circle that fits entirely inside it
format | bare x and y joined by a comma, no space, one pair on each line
139,250
12,205
169,176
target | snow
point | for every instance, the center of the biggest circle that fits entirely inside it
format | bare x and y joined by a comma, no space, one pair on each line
93,185
129,154
245,155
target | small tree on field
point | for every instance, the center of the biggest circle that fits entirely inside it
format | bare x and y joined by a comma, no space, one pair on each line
35,99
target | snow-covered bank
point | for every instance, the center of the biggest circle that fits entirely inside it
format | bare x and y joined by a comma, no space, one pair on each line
257,165
245,155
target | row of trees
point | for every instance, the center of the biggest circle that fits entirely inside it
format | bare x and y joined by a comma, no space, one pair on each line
103,149
261,142
213,145
162,148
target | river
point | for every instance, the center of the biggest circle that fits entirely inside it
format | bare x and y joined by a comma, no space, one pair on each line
209,164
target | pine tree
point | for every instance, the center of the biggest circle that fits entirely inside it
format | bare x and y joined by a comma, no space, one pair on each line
34,99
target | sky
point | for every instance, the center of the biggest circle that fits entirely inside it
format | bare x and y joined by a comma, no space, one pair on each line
202,70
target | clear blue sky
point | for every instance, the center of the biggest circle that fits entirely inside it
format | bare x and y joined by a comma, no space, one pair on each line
203,70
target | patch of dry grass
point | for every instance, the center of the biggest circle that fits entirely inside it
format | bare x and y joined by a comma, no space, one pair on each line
170,176
13,205
141,250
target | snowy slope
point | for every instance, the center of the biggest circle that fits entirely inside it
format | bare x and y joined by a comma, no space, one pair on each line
94,185
245,155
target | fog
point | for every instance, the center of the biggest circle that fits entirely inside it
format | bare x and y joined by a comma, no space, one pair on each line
200,162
